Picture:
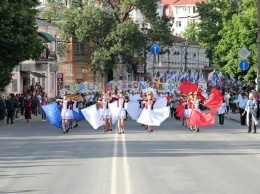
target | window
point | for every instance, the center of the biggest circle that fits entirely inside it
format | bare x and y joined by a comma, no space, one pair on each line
52,82
43,82
79,48
52,46
68,68
194,9
14,85
178,24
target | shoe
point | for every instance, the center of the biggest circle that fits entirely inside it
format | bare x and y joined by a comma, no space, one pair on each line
110,129
183,124
119,132
249,131
42,120
76,125
254,132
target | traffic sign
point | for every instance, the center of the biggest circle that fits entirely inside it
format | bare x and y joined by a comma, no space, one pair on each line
244,53
243,65
155,49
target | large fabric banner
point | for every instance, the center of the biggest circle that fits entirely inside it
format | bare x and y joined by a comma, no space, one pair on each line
92,116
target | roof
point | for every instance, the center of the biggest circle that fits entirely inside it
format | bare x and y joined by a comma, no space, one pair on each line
181,2
40,22
47,37
177,39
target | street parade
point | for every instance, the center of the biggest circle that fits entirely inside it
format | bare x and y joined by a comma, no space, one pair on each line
148,104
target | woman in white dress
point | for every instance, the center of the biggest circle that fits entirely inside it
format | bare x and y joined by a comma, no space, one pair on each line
104,113
66,112
121,100
148,116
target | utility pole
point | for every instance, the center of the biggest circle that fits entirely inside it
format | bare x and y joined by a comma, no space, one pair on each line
258,43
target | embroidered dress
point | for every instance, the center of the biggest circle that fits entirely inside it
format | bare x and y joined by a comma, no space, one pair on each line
121,108
148,116
104,111
66,112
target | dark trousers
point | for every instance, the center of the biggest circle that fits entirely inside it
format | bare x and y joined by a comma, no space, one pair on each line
221,118
250,123
172,111
43,114
35,110
2,114
22,110
10,115
242,118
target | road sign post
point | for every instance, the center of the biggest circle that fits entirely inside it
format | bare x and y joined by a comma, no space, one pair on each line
155,49
243,65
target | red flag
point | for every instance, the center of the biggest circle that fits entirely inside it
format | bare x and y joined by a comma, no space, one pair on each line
201,119
215,100
187,87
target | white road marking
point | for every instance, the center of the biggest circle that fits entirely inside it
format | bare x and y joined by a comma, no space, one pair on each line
126,167
125,172
113,178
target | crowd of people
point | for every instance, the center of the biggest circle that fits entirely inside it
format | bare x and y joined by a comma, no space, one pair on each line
243,101
25,105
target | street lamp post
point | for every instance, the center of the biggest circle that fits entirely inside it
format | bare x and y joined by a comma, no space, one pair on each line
145,65
186,43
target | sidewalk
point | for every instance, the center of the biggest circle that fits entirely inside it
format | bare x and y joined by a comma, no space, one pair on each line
21,118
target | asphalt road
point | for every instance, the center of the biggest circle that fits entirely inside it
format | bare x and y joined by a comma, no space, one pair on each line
37,158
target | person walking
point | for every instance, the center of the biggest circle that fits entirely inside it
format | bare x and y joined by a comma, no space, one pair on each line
35,105
250,111
121,113
242,105
43,102
10,106
221,113
21,104
2,109
28,108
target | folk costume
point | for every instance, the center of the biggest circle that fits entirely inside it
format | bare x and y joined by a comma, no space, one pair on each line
66,112
120,112
152,115
104,111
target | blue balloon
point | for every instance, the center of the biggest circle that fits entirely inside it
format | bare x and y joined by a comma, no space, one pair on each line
53,112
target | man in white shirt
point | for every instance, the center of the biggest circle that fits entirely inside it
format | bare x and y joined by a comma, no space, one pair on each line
242,105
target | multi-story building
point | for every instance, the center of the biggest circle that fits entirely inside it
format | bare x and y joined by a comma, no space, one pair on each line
182,56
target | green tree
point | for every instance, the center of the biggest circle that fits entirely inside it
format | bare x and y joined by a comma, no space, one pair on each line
18,40
191,32
212,13
240,32
111,32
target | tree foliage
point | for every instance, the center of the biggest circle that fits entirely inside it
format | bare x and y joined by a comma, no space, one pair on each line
18,40
191,32
114,37
227,26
